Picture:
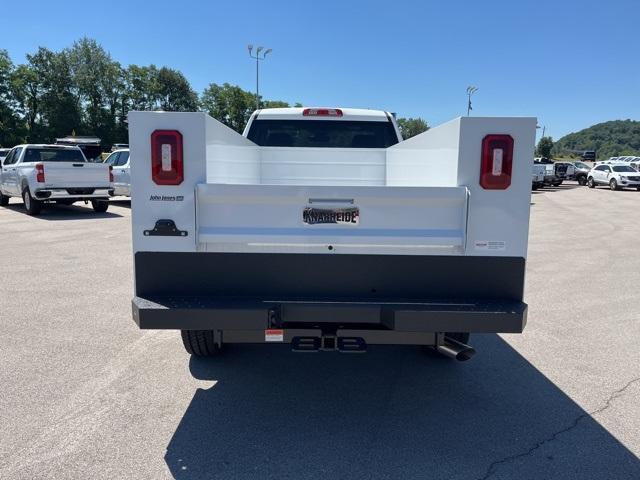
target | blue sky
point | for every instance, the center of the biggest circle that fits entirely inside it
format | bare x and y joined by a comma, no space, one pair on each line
570,63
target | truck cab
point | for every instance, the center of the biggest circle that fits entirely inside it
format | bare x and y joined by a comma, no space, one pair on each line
320,228
322,128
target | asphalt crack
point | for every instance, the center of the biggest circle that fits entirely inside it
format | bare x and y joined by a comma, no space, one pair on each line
616,394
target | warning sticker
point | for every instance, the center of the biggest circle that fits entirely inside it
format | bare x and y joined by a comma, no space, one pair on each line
274,335
490,245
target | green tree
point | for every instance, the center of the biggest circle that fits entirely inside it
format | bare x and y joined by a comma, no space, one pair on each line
410,127
27,90
273,104
174,93
98,83
545,145
608,139
140,87
229,104
11,127
59,111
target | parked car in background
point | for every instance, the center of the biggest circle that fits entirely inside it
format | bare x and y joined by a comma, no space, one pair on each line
119,146
616,176
581,172
53,174
635,163
537,180
119,161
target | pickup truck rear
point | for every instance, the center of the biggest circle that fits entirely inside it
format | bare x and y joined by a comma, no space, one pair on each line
329,235
54,174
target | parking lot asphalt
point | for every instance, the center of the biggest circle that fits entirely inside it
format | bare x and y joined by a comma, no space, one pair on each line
85,394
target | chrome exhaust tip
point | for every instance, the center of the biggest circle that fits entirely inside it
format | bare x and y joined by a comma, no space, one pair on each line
456,350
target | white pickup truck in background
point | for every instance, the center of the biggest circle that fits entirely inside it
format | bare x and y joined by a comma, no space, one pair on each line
53,174
538,174
322,229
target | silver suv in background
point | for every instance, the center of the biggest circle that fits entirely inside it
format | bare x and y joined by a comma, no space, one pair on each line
119,161
616,176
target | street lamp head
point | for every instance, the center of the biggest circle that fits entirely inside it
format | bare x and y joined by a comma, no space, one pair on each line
259,49
268,50
250,47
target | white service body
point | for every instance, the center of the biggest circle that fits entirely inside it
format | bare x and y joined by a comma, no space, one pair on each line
418,197
426,228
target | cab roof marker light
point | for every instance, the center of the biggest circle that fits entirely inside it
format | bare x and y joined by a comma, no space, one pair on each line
322,112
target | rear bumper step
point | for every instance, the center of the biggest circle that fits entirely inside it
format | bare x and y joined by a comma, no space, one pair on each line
375,322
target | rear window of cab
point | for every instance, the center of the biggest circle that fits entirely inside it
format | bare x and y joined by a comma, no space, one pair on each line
322,133
52,154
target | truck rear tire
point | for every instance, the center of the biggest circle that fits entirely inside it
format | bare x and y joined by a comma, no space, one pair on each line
100,206
199,342
31,205
582,180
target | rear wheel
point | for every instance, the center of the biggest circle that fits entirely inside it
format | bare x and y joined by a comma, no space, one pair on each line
31,205
4,200
100,206
199,342
591,183
582,180
613,184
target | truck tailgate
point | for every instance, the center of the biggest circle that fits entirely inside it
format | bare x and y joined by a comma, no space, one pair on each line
336,219
82,174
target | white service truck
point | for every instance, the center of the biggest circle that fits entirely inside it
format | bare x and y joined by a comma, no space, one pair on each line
53,174
322,229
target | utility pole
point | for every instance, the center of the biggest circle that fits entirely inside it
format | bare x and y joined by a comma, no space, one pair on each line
258,58
470,91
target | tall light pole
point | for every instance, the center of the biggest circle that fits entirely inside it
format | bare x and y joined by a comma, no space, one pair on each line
470,91
257,56
544,128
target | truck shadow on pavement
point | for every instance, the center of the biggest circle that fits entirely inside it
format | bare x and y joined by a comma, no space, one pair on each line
65,212
393,413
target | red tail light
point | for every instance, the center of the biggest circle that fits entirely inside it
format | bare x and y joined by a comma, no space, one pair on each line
322,112
40,173
110,173
497,162
167,167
